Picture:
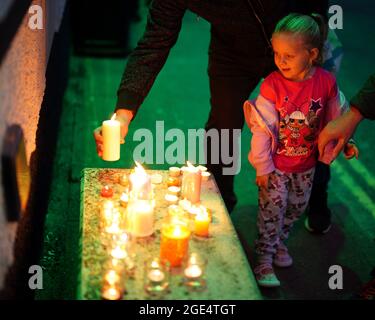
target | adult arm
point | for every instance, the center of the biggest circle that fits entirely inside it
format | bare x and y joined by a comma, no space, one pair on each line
147,59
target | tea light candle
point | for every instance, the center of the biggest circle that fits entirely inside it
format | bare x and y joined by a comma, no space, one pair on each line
119,253
156,178
174,172
112,277
191,183
156,275
173,181
124,180
111,293
106,192
111,132
174,190
124,199
172,199
201,224
205,176
193,271
202,168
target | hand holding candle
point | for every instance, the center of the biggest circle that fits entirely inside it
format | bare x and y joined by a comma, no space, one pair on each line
111,131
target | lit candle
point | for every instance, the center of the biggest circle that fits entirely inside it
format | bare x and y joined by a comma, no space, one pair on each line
141,215
140,184
171,198
173,181
191,183
205,176
106,192
124,180
193,271
202,168
111,293
174,243
174,172
124,199
119,253
111,132
201,223
156,178
174,190
112,277
156,275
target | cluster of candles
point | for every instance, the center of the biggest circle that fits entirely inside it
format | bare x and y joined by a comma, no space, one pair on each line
134,218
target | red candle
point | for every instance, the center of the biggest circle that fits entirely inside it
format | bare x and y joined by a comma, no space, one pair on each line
106,192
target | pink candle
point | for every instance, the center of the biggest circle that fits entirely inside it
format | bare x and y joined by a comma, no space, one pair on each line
191,183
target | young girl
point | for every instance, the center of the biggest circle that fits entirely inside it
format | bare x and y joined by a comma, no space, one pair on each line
294,105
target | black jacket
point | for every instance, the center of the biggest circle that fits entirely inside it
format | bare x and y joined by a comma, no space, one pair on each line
240,33
364,100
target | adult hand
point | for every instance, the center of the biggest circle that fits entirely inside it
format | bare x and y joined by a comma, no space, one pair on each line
122,115
340,129
262,181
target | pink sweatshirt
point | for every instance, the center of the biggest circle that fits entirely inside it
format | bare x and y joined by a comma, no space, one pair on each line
286,120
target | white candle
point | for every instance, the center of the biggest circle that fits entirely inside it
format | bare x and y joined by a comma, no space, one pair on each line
124,199
191,183
193,271
140,184
156,275
111,132
174,190
118,253
141,218
171,198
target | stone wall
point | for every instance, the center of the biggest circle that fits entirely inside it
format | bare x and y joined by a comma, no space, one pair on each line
22,85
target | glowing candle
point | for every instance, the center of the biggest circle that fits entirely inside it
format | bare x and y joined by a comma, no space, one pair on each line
171,198
193,271
174,190
106,192
124,199
141,215
119,253
111,293
112,277
201,224
191,183
174,243
174,172
111,139
140,184
156,275
205,176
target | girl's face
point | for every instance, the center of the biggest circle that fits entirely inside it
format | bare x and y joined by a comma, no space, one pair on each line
292,57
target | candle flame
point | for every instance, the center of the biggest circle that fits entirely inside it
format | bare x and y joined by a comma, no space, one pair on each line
139,168
189,164
113,117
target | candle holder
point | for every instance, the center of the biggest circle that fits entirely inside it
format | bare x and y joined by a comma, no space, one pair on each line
194,272
175,236
202,223
113,285
174,172
156,277
106,192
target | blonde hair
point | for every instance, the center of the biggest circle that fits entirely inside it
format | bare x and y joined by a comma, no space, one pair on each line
312,28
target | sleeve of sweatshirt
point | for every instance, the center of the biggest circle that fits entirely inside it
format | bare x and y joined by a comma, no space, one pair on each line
258,119
364,100
145,62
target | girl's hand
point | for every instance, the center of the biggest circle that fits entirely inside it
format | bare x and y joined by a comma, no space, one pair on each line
351,151
262,181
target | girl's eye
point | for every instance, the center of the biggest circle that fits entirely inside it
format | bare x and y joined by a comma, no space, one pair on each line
288,56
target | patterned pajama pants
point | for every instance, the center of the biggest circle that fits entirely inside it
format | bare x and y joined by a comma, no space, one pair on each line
280,205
